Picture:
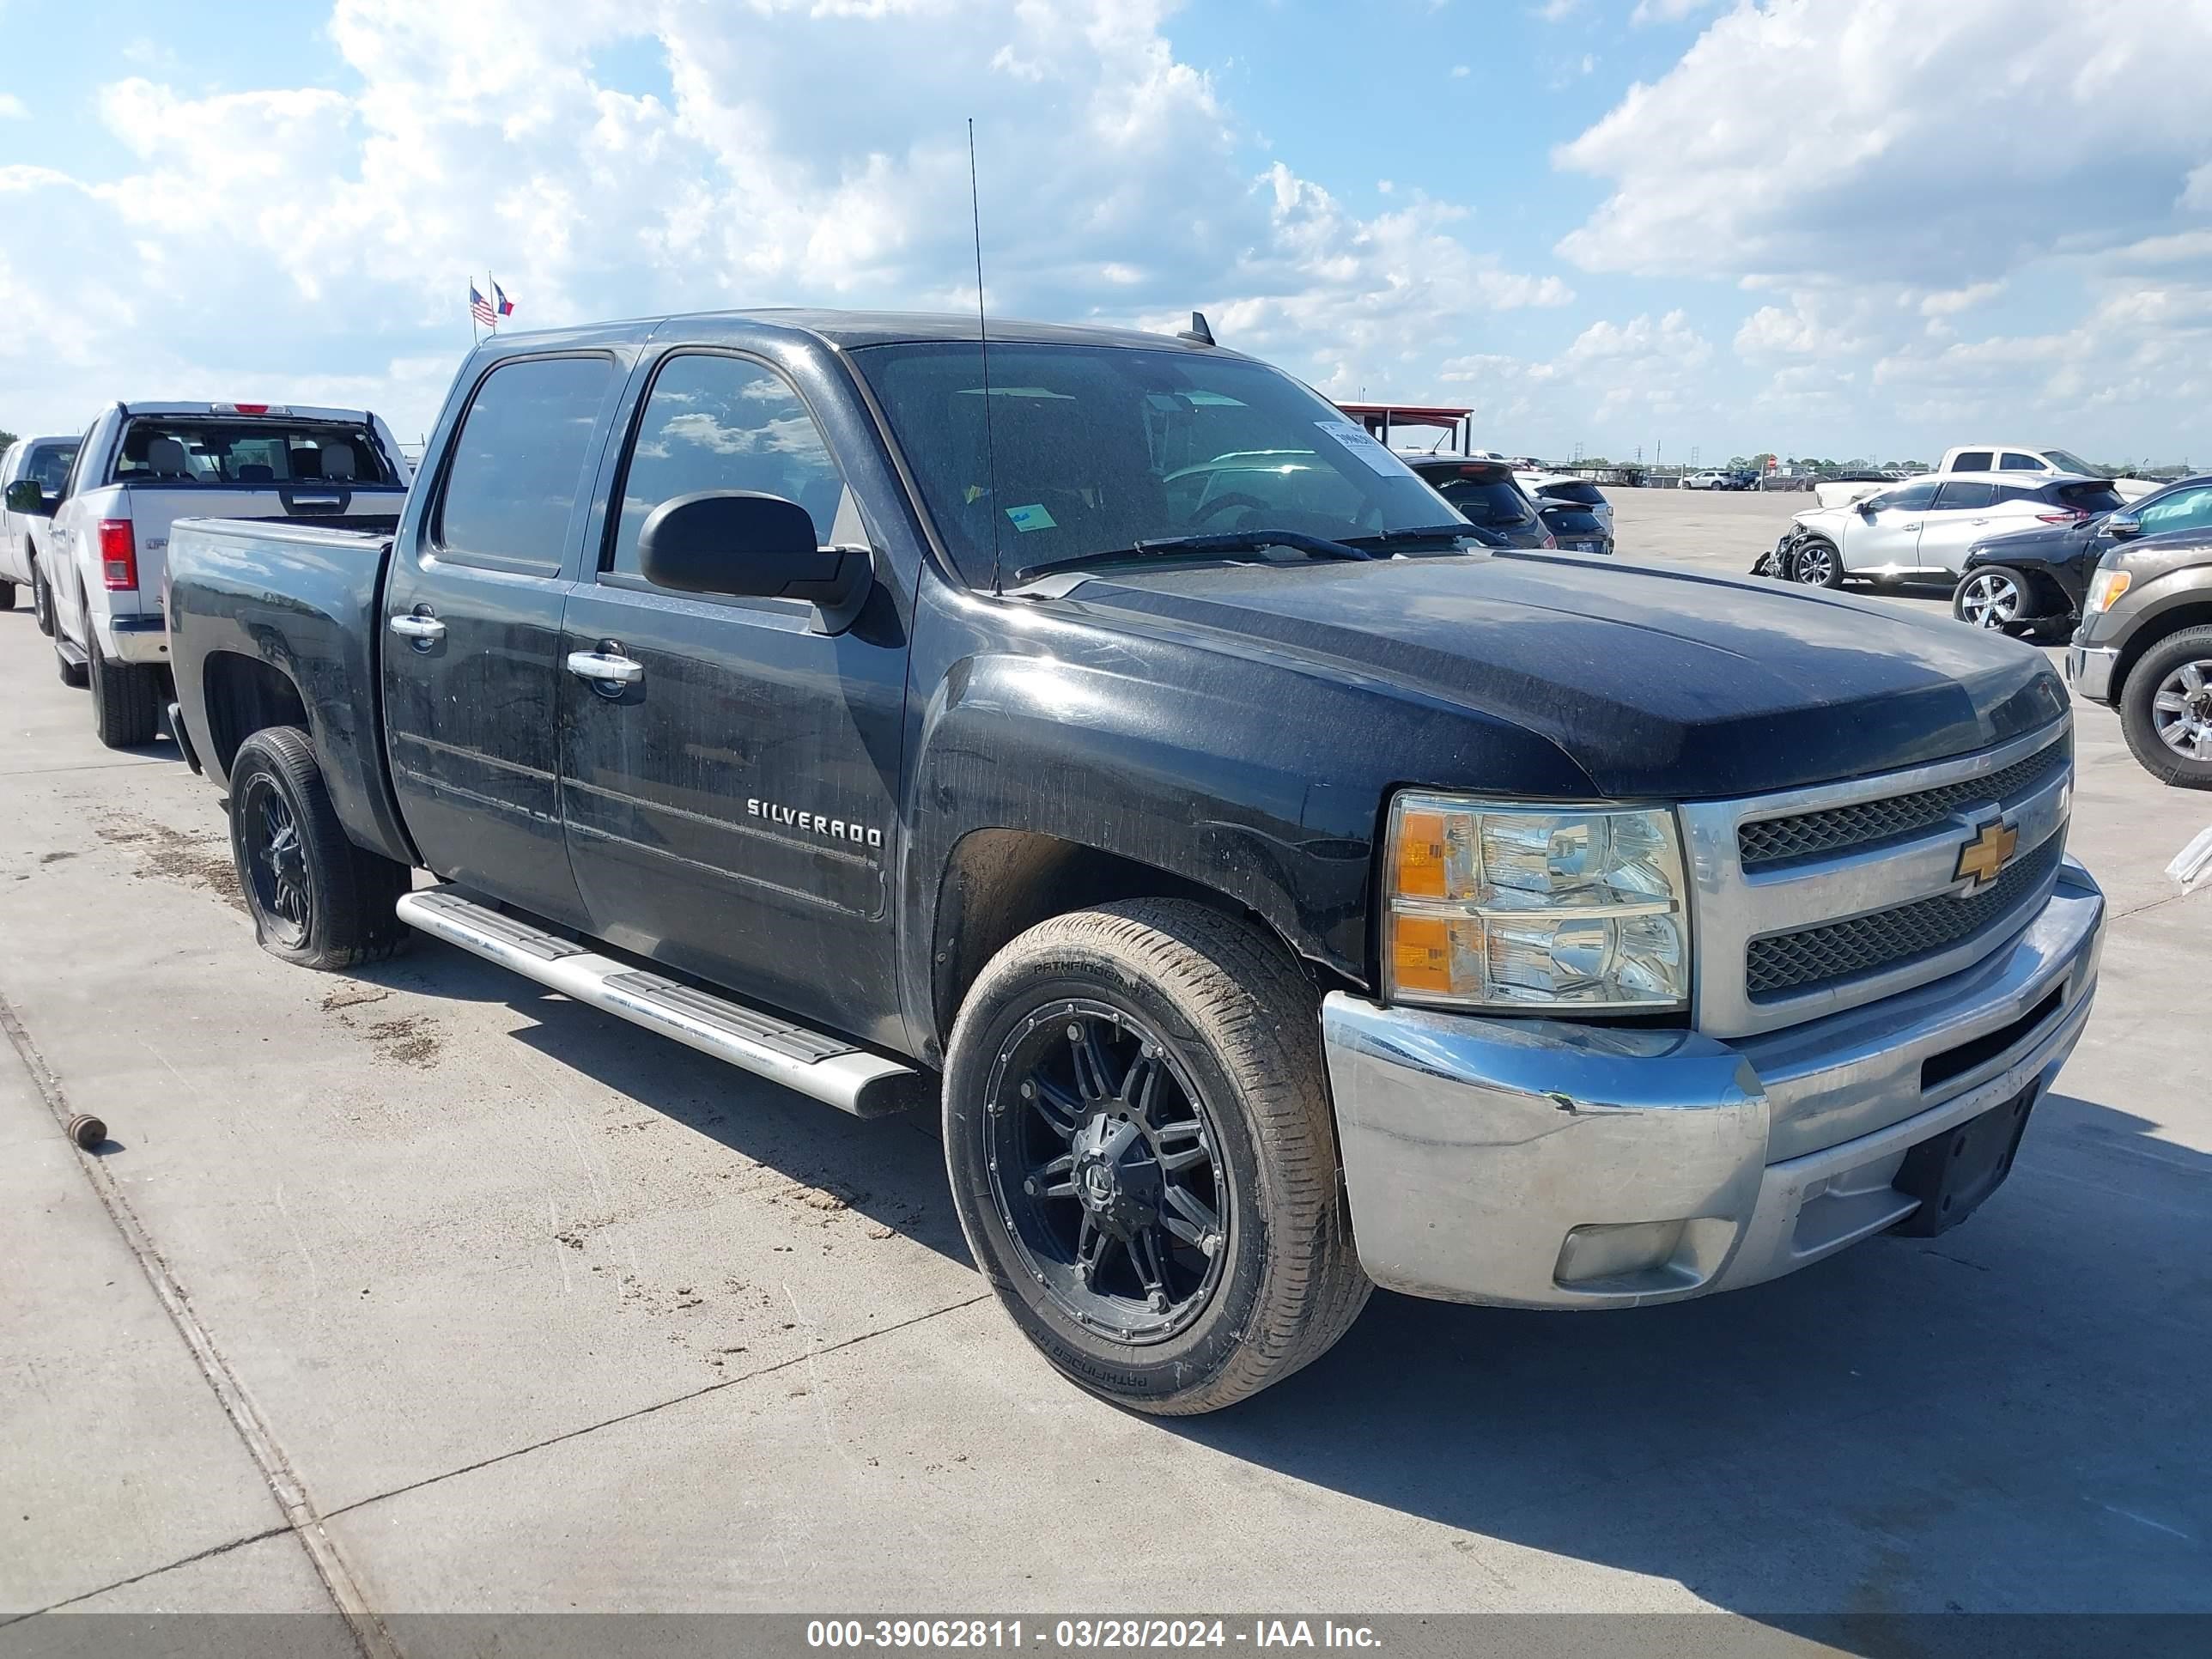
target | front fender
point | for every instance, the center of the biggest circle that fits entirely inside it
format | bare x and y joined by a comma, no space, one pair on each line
1253,778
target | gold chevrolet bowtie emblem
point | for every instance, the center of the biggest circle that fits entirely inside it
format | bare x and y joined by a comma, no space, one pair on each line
1980,859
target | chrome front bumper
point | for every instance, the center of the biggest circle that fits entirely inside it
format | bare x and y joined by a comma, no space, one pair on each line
1540,1164
2089,670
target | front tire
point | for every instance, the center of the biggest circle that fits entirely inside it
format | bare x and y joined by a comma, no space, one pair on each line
1818,564
1142,1155
316,899
2165,709
1994,597
42,601
126,709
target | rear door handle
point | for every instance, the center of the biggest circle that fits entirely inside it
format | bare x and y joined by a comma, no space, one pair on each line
423,629
1908,526
604,667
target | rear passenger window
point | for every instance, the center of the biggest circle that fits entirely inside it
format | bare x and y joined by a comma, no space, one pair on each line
1955,496
518,462
2013,461
714,422
1972,461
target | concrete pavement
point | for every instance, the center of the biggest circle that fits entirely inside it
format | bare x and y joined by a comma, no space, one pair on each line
541,1313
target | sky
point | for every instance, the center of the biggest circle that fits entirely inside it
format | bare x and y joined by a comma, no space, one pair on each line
1844,228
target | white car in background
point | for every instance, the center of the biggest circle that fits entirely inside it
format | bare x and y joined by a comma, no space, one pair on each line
143,466
2037,458
46,462
1704,481
1923,530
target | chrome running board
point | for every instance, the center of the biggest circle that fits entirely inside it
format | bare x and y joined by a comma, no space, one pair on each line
829,1069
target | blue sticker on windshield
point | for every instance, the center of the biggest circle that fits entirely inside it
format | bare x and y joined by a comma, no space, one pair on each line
1033,516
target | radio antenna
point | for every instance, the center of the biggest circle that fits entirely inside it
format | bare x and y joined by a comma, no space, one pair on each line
983,350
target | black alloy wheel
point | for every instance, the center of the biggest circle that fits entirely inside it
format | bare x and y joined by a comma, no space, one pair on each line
1102,1158
276,862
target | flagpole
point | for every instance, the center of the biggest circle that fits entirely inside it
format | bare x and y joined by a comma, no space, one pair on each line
494,289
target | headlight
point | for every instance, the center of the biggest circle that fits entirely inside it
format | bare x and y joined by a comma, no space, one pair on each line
1533,907
2105,586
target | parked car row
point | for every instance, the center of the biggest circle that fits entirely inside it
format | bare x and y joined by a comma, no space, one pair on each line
1521,508
1142,767
2042,560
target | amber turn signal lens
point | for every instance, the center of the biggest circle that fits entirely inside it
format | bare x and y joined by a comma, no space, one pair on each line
1420,855
1420,954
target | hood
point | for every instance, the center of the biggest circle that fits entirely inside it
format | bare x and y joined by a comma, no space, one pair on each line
1661,684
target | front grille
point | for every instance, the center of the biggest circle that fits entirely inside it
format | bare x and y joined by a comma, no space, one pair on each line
1793,963
1865,824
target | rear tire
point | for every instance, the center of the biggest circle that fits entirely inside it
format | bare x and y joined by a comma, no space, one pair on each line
2158,712
7,596
1191,1299
316,899
126,709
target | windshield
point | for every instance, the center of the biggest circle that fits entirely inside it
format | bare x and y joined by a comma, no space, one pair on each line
49,464
2066,461
1098,448
186,449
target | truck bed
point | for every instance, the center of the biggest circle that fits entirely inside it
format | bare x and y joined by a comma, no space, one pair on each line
276,607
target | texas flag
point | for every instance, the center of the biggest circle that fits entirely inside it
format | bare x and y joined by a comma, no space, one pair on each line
500,302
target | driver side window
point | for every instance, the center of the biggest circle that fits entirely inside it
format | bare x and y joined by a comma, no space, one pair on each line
716,422
1913,498
2187,509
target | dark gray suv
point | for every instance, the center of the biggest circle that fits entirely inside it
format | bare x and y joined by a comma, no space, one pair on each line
2145,644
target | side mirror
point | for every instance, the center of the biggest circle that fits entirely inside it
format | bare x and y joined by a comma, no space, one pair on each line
2120,526
24,495
745,544
1867,507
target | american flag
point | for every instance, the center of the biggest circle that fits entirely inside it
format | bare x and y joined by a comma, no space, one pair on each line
480,309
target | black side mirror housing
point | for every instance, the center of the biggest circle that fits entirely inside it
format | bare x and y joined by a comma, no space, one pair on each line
2122,527
1867,507
742,544
25,496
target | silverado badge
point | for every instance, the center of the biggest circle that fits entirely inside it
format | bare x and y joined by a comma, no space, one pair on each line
1982,858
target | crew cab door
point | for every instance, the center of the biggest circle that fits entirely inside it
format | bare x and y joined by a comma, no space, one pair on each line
1883,533
730,769
471,648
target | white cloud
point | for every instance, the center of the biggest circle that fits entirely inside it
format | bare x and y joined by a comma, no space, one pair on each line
1797,139
1667,11
1460,72
258,232
13,108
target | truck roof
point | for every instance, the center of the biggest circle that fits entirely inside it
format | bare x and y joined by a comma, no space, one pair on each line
846,330
250,412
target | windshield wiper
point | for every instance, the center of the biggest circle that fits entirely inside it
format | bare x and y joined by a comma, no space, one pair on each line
1428,532
1233,541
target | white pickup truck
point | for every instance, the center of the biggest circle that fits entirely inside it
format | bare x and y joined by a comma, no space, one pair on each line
44,462
142,466
2037,458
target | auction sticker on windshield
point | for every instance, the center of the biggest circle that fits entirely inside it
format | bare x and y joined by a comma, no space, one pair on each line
1353,439
1031,517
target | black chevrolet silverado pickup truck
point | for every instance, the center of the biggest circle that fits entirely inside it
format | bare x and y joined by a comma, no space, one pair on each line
1094,731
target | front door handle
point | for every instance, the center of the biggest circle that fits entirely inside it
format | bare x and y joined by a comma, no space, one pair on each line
604,668
1908,526
420,628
